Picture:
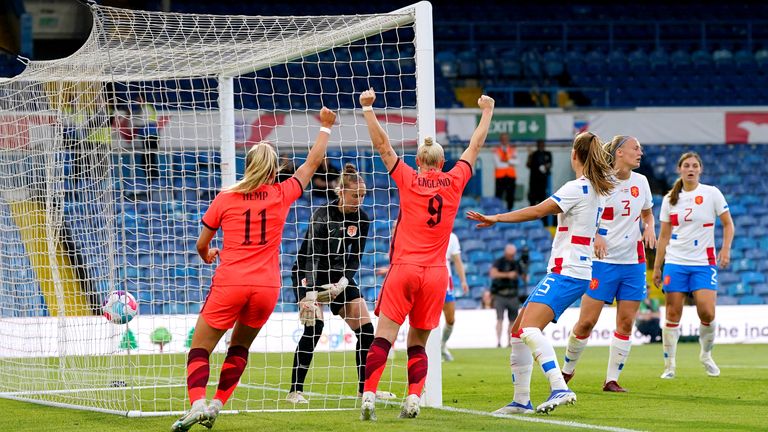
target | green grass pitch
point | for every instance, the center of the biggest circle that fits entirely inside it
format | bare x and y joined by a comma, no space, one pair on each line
477,383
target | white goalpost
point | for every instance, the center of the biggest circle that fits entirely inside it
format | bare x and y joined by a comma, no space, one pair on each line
110,157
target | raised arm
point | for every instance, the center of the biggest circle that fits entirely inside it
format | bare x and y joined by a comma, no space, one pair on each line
317,153
379,137
486,103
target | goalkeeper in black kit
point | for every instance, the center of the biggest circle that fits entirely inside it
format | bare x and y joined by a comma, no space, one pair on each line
324,272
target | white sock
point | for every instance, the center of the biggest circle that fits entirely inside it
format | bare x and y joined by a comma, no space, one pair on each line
544,353
447,330
576,346
617,356
521,363
669,337
707,339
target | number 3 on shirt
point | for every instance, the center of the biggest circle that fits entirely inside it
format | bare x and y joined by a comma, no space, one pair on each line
263,241
435,209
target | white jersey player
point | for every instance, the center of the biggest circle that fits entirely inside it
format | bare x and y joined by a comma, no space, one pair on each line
577,205
452,254
687,251
620,274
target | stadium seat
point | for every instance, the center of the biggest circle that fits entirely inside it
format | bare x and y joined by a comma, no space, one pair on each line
751,300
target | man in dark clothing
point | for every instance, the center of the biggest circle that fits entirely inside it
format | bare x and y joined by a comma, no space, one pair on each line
506,274
540,166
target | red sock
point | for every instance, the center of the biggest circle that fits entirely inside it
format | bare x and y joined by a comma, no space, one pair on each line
375,362
231,371
417,369
198,369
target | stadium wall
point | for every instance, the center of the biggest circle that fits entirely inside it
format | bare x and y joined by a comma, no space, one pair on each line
474,329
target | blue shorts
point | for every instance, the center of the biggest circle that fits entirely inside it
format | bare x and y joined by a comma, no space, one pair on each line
618,281
449,296
558,292
689,278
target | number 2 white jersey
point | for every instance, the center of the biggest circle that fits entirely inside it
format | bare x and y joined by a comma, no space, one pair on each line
693,225
576,227
619,224
454,248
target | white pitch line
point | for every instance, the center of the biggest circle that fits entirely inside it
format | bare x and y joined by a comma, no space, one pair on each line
534,419
524,418
744,366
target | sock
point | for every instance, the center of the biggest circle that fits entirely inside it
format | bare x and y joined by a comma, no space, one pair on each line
198,371
669,337
707,338
375,362
302,358
617,356
231,371
447,330
364,335
417,369
521,363
576,345
544,354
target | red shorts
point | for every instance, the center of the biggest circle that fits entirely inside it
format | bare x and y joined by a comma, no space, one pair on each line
414,291
249,305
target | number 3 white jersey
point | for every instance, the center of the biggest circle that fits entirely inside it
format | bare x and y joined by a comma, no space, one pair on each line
576,227
454,248
619,223
693,225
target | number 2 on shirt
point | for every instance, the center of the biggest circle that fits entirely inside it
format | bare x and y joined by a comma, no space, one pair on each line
263,241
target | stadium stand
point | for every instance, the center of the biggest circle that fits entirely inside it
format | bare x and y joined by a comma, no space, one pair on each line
659,56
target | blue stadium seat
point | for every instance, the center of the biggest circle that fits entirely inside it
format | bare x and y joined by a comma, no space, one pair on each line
751,300
727,301
739,289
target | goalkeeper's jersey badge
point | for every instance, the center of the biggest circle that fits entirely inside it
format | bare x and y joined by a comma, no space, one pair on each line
352,230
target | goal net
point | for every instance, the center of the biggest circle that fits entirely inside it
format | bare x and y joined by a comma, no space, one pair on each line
110,157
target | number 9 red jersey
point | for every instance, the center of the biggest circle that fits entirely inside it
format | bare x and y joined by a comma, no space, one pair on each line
428,205
253,227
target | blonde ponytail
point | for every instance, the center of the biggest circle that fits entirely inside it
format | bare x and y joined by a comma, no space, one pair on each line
261,167
597,168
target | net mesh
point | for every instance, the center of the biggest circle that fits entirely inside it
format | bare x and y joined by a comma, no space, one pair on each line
110,157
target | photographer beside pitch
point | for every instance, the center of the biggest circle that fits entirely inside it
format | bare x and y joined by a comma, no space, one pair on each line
506,274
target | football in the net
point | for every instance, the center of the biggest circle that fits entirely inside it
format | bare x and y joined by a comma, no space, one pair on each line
120,307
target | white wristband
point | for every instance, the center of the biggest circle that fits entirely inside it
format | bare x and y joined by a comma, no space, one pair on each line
368,108
326,130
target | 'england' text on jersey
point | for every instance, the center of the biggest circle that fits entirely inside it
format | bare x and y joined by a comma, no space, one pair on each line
433,182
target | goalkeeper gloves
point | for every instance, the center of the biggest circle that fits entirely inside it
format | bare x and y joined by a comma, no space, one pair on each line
328,292
309,310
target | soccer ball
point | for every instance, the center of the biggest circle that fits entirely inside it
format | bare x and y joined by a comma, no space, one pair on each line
119,307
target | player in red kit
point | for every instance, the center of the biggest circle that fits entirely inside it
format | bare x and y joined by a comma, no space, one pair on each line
246,285
416,281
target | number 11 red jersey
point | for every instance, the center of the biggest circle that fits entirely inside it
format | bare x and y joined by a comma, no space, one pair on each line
253,227
428,205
